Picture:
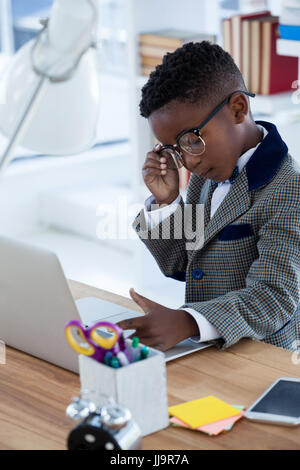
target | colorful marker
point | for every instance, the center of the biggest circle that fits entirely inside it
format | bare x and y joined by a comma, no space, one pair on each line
144,352
122,359
108,357
114,362
134,349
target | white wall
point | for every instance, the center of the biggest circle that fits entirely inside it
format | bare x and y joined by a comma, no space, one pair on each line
23,181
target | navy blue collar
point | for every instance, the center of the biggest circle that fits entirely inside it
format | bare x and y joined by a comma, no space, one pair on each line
267,158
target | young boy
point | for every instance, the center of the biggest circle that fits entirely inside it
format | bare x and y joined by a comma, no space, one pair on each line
243,279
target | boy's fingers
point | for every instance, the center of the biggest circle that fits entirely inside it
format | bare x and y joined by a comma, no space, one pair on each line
131,323
142,301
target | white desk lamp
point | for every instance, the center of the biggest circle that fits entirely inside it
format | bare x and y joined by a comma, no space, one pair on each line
50,92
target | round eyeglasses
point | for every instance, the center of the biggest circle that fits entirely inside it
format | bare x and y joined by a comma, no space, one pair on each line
191,141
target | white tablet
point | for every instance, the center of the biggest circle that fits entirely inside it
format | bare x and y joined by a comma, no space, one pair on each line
279,404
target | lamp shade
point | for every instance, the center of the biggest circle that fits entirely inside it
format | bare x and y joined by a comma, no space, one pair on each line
66,119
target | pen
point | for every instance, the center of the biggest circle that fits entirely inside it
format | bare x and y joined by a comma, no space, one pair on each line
144,352
122,359
134,349
114,362
108,357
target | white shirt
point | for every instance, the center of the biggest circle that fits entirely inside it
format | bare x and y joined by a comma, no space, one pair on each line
153,218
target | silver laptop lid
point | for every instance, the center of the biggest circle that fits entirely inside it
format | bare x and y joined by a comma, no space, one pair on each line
35,303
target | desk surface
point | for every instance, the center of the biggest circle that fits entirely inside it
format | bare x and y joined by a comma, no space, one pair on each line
34,394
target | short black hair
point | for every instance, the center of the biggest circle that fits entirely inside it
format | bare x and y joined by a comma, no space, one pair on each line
197,72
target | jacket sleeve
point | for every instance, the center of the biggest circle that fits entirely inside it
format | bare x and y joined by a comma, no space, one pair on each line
272,293
166,242
169,241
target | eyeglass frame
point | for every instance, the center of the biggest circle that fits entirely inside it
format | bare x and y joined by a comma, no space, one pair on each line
196,130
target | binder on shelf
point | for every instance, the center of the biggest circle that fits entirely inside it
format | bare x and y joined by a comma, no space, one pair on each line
273,79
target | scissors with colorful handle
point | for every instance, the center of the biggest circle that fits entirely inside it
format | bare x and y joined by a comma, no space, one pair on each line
89,342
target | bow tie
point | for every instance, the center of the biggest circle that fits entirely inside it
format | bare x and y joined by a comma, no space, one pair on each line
232,178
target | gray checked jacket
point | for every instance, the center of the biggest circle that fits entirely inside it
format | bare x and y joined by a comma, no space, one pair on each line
244,276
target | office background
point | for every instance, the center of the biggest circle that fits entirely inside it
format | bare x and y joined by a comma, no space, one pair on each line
52,201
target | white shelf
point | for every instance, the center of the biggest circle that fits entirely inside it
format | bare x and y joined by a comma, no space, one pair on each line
272,104
288,47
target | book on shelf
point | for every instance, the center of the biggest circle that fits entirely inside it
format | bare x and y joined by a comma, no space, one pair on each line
291,32
148,60
227,35
255,52
153,46
261,66
236,32
246,53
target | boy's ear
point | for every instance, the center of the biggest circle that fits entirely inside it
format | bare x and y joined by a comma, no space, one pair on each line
239,105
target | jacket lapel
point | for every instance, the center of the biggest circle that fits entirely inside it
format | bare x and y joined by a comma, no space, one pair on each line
236,203
207,204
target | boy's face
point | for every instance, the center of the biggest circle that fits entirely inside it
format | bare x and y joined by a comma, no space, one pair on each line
223,134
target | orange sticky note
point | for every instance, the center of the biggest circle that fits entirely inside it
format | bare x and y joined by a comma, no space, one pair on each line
203,411
212,428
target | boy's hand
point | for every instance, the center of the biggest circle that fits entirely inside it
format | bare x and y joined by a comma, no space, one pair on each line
161,327
162,181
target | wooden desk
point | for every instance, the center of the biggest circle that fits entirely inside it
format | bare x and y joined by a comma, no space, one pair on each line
34,394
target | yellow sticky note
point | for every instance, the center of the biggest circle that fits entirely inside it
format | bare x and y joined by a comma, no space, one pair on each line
203,411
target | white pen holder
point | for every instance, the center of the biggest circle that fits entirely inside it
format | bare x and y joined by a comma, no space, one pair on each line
140,386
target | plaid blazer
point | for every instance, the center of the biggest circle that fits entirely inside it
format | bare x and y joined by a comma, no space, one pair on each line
245,275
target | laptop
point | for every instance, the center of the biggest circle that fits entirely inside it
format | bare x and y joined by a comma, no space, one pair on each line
36,303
